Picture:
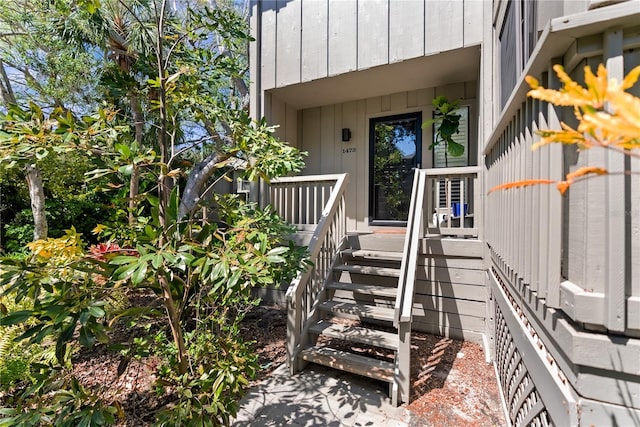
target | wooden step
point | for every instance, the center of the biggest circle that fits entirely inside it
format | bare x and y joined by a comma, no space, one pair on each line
371,254
356,288
378,241
356,334
361,310
370,270
349,362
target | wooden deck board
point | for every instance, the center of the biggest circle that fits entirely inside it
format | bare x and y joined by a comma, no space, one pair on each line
349,362
356,334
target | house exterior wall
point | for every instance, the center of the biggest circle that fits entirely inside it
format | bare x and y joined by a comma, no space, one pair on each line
561,269
304,40
560,275
320,135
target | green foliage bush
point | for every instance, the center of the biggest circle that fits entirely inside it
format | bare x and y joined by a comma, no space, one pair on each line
178,81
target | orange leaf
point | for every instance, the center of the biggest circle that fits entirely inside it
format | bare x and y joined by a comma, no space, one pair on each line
566,136
563,186
518,184
627,106
597,85
586,170
532,81
631,78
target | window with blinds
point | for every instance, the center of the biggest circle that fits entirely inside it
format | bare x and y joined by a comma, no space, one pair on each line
442,160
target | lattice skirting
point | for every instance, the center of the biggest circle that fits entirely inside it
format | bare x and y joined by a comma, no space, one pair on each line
534,388
524,405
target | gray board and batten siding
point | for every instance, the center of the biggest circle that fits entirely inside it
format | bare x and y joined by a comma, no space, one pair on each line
563,270
561,274
303,40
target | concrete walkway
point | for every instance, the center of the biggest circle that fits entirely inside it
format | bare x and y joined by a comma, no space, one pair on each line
318,397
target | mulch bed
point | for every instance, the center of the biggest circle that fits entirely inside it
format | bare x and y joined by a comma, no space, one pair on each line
452,384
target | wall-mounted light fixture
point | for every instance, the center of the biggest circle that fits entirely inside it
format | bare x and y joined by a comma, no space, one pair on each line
346,134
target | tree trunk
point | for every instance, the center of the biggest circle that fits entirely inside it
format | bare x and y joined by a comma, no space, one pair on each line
195,183
36,193
8,97
134,181
174,323
134,187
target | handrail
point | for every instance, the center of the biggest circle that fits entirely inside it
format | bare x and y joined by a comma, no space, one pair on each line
404,300
306,178
456,171
302,295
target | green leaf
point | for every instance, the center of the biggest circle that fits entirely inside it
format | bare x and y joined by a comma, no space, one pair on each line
124,271
171,258
153,200
172,209
454,149
140,274
16,317
96,312
131,312
126,170
156,261
123,259
278,251
449,126
86,338
123,150
98,418
8,422
429,123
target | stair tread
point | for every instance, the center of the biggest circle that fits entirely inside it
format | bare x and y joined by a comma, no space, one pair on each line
382,291
362,310
354,363
369,253
357,334
372,270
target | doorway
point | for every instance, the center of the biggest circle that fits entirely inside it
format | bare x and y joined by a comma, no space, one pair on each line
395,153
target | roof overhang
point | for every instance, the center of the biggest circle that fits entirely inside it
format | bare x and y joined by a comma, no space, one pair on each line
440,69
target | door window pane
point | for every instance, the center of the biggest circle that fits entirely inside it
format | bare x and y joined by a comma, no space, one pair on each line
395,153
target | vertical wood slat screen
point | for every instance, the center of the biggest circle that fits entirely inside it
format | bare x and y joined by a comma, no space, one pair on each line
524,225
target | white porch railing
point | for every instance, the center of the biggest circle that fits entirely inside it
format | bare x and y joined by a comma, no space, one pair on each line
406,282
453,200
301,200
432,190
298,199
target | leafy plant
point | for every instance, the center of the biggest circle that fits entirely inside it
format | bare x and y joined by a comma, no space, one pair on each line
446,124
176,123
607,118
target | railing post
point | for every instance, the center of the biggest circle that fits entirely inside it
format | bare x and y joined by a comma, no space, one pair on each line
402,385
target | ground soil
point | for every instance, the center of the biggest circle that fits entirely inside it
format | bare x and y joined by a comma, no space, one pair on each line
452,384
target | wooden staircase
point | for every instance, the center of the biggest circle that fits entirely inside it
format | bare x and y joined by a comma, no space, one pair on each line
354,330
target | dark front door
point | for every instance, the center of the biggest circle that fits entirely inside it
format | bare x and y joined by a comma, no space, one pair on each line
394,154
